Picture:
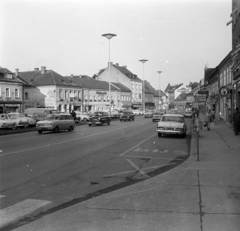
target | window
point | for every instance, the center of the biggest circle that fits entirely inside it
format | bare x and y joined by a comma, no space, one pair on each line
136,86
26,95
132,86
7,92
133,95
16,93
140,96
66,95
136,95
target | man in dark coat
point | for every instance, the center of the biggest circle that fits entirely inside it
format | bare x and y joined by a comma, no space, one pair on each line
236,121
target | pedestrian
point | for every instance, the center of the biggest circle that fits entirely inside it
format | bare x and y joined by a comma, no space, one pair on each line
236,121
73,113
207,121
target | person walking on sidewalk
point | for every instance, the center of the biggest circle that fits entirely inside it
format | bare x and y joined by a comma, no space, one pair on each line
207,121
236,121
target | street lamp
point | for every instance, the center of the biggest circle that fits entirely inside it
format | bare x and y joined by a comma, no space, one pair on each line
159,72
109,36
143,61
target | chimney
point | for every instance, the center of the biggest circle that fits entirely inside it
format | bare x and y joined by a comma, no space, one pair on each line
72,75
117,64
110,63
43,70
36,69
16,72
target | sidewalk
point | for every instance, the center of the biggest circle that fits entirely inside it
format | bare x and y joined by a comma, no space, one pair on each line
195,196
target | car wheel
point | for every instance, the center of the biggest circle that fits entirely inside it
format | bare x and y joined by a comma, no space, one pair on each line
108,123
159,134
184,135
120,120
56,129
89,125
39,131
70,128
14,126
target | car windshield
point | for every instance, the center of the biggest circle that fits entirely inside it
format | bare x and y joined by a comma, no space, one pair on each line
172,118
52,117
13,116
3,117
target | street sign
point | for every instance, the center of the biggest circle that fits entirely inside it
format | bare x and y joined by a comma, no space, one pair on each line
224,91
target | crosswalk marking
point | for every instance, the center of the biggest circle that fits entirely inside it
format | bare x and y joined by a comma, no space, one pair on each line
19,210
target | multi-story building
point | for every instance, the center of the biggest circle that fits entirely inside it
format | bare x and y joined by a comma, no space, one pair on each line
11,92
48,89
96,94
120,74
236,51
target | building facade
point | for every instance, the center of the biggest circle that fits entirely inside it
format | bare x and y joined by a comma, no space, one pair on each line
11,92
120,74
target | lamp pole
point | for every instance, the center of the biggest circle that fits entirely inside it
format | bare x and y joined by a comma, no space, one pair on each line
109,36
159,72
143,61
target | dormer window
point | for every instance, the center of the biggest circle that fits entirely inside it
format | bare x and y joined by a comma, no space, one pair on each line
9,76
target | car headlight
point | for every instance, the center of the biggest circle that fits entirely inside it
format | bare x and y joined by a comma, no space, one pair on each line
161,128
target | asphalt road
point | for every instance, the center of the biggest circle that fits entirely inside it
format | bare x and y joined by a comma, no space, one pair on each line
41,174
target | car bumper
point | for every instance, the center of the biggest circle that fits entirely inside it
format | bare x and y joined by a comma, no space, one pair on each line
173,132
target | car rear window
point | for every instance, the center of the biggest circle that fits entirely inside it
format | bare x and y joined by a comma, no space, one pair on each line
173,118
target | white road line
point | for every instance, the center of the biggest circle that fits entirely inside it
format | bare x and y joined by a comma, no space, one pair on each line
130,149
65,141
122,173
137,168
19,210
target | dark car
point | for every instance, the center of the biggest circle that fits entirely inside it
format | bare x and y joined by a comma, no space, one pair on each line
127,115
99,118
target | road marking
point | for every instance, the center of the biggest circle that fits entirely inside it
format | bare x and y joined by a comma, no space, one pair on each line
19,210
137,168
1,196
181,152
65,141
122,173
149,157
130,149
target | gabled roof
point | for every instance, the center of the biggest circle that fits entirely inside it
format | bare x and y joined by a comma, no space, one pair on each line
173,88
127,73
168,87
193,91
14,78
122,87
148,88
90,83
35,78
181,97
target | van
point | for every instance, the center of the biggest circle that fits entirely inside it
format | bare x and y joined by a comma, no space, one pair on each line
39,113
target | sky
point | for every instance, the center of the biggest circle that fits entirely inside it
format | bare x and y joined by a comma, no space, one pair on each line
177,37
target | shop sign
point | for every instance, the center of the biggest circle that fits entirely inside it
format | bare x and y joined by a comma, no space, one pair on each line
101,93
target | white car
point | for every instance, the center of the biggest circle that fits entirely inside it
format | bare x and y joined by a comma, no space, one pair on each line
173,124
83,116
7,122
22,120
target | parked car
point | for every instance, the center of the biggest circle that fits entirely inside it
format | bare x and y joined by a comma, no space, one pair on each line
99,118
127,115
56,122
157,115
148,114
172,124
38,114
82,115
7,122
22,120
136,112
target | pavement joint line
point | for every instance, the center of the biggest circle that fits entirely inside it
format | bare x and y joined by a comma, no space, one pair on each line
130,149
19,210
137,168
65,141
